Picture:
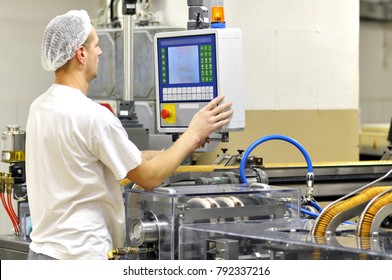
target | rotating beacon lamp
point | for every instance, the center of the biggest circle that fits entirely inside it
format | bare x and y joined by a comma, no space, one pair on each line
191,68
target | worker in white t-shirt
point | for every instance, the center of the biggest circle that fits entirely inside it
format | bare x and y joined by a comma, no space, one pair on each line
77,151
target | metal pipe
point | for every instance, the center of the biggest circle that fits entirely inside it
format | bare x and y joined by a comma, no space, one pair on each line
128,54
112,254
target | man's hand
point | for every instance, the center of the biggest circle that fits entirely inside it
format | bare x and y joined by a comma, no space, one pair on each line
209,119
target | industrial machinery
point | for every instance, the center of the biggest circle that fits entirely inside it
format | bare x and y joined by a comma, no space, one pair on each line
198,15
256,221
281,239
154,218
209,212
13,187
178,73
107,89
355,226
241,214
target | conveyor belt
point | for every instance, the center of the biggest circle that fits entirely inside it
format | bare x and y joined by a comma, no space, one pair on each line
332,179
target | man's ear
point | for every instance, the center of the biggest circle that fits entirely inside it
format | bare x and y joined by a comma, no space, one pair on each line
81,54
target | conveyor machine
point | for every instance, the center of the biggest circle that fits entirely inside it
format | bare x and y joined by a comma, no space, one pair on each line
281,239
249,217
153,218
355,226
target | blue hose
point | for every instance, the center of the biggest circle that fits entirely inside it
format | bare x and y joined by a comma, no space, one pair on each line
316,205
295,143
303,211
313,215
304,153
267,138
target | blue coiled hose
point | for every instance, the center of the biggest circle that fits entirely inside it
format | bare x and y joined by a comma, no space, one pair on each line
273,137
283,138
304,153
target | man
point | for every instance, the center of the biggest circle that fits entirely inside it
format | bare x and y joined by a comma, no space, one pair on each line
77,151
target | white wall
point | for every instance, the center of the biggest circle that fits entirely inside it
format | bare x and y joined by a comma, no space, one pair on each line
298,54
375,71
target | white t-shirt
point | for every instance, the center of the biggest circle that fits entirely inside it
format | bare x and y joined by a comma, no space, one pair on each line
76,151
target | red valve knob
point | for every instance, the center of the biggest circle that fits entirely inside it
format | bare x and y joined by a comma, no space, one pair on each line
165,114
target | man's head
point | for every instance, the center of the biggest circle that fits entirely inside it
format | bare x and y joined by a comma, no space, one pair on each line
62,37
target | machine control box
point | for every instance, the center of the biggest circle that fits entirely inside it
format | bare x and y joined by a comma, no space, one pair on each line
191,68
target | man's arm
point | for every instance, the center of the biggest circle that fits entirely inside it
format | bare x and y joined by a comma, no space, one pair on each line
150,154
153,171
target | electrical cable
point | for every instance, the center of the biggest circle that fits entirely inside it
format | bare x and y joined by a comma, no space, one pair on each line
8,184
11,208
8,212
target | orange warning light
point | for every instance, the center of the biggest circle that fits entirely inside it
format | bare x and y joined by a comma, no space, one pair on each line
218,14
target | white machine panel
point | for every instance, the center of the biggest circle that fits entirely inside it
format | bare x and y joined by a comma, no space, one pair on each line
193,67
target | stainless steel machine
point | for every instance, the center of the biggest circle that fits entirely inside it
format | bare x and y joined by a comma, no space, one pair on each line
212,215
207,213
281,239
13,188
153,218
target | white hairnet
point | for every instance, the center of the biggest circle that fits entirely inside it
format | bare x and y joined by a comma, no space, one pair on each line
62,37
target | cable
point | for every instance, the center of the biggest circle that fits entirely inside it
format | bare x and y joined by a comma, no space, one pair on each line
312,214
273,137
303,211
316,205
12,211
3,200
309,176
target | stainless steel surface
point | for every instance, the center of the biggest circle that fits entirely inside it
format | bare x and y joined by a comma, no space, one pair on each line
109,84
332,180
128,55
139,136
153,218
376,10
379,218
13,247
281,239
